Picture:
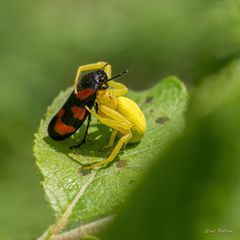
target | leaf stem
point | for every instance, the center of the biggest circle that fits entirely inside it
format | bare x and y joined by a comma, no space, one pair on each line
63,220
84,230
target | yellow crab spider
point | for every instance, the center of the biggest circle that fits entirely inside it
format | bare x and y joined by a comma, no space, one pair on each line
121,114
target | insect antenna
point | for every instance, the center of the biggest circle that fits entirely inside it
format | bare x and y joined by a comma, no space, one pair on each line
119,75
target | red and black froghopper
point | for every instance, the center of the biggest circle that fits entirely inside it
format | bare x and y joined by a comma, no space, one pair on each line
73,113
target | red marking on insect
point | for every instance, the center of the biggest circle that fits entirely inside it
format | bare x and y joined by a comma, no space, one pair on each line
85,93
78,112
62,128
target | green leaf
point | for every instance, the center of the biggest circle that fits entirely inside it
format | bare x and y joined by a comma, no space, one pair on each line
163,105
198,178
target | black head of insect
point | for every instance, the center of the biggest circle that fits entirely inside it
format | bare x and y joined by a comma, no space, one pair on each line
94,80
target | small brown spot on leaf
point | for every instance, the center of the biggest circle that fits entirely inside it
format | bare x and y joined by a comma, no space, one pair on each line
84,172
121,163
161,120
149,100
131,181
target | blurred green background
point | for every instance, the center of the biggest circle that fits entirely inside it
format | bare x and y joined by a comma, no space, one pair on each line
43,42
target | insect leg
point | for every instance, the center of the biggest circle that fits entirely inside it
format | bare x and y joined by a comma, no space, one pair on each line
119,89
96,107
107,111
112,138
116,124
85,134
108,70
113,154
116,116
